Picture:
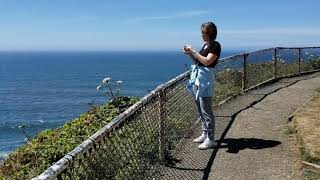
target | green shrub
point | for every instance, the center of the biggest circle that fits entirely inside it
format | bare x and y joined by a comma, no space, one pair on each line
229,83
49,146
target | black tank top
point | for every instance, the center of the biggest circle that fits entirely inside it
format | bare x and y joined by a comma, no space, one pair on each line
213,48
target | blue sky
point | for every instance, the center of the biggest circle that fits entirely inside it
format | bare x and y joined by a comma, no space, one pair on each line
155,25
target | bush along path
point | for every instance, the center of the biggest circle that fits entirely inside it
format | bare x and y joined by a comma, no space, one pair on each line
51,145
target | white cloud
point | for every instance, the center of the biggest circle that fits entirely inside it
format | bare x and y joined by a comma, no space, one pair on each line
180,15
272,31
270,37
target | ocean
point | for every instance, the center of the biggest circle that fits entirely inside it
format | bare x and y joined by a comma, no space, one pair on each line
43,90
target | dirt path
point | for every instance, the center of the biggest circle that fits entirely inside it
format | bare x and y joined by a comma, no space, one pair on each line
250,132
266,152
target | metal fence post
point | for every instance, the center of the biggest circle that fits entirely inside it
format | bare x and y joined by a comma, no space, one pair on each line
299,60
244,74
275,69
162,121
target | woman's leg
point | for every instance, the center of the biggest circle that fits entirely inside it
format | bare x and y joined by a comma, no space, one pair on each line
203,122
208,116
209,119
203,135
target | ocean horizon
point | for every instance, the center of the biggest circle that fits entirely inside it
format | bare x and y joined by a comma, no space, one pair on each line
45,89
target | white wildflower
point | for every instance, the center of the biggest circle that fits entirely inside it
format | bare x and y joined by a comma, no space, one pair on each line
281,60
119,82
106,80
22,126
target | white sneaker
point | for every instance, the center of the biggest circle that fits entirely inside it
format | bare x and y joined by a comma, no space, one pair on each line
201,138
207,144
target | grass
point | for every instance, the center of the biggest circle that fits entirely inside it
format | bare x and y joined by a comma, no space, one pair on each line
311,175
290,129
306,127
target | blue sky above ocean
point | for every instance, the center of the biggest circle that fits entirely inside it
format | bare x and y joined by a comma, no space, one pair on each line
155,25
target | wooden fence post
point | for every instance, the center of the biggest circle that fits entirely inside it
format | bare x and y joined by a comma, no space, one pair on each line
244,74
299,60
162,121
275,69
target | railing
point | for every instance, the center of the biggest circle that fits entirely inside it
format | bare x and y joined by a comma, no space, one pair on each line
137,143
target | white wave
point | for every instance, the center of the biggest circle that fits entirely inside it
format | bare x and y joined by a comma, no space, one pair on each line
40,120
3,155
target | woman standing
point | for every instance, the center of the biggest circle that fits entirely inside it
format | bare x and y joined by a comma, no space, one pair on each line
202,81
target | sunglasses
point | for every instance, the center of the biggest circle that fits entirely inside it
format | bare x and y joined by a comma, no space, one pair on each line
204,32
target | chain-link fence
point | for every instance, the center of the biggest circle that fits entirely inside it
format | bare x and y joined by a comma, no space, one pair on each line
137,143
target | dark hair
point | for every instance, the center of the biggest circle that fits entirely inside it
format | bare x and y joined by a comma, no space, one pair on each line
211,30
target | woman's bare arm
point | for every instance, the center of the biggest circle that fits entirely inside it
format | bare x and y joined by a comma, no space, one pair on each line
205,60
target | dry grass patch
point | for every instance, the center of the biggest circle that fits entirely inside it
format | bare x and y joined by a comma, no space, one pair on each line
306,127
307,124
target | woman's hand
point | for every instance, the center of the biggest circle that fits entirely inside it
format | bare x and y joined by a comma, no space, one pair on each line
187,49
184,50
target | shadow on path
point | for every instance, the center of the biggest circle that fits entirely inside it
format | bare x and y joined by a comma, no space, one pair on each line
235,145
182,165
207,169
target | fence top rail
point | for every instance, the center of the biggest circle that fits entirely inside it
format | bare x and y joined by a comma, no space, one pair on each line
261,51
117,121
121,118
310,47
59,167
67,161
